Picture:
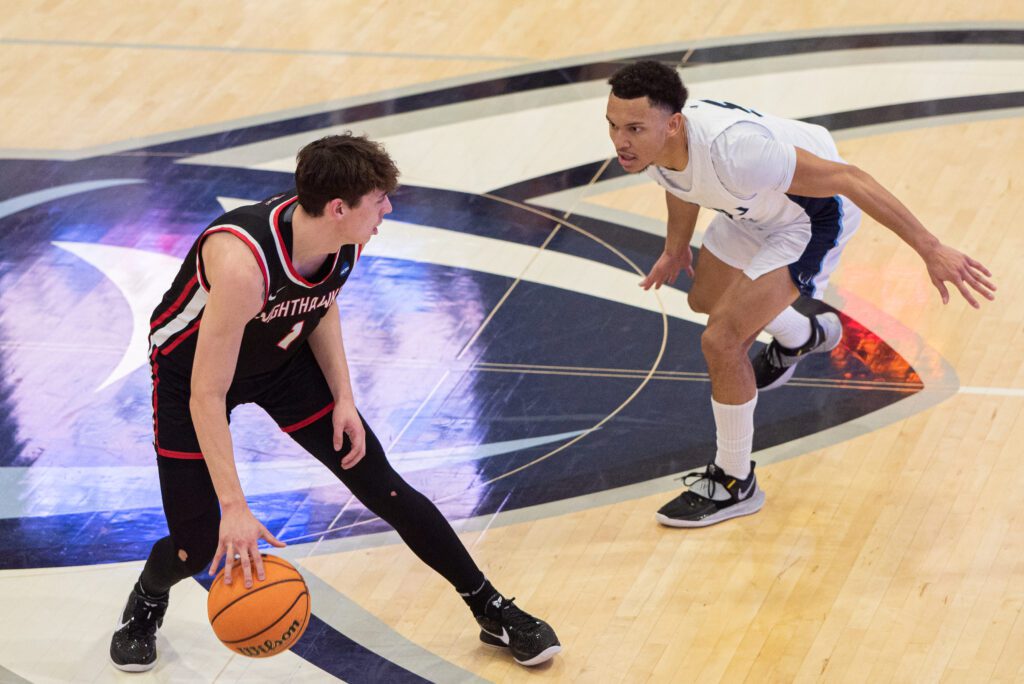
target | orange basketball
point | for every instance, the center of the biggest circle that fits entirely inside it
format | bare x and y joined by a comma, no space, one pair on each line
264,620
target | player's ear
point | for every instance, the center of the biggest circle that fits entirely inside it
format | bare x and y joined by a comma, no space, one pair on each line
675,123
337,207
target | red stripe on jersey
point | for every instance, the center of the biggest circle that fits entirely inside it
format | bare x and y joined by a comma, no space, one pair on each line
156,381
190,455
359,251
176,306
275,224
181,338
309,421
252,248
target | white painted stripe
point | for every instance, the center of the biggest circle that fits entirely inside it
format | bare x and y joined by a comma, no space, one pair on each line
400,240
468,155
993,391
142,278
397,240
59,491
878,55
232,203
74,647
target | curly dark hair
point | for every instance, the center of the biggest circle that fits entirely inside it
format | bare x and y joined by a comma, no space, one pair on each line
343,166
659,82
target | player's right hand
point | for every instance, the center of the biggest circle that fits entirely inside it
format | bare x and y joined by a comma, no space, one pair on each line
240,533
666,269
946,264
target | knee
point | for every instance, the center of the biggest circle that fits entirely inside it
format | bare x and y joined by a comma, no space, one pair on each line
196,557
393,500
195,550
719,342
378,489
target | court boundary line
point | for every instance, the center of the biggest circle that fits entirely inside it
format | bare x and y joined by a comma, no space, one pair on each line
532,66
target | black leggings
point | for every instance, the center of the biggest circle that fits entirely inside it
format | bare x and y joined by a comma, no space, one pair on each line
193,512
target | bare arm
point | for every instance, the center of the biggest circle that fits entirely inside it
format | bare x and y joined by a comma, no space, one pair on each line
329,349
236,296
682,218
817,177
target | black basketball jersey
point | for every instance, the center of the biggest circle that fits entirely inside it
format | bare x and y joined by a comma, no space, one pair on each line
292,305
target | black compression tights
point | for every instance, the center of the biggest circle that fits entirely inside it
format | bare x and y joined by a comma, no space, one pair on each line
193,514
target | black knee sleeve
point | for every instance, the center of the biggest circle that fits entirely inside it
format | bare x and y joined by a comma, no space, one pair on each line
172,559
383,491
193,518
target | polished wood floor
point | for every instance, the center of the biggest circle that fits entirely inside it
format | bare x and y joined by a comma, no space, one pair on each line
897,555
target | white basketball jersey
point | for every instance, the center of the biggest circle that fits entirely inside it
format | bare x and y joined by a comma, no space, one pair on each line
766,208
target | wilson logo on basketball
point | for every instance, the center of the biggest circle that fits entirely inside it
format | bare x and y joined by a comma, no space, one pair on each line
268,646
265,619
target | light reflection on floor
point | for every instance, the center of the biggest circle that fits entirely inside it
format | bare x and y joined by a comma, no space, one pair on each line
468,373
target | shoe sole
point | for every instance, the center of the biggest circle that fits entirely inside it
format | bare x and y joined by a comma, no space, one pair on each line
495,642
129,667
784,378
748,507
779,381
542,657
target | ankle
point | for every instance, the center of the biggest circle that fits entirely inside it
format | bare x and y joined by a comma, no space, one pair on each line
149,595
479,599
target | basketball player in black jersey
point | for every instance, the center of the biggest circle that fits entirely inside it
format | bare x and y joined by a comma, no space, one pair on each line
251,318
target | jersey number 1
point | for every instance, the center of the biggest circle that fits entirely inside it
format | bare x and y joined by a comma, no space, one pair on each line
292,334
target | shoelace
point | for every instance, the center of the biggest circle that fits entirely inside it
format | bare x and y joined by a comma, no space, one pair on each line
773,351
711,488
515,617
773,355
139,625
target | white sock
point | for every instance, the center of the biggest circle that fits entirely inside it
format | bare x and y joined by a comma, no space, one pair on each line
735,427
790,328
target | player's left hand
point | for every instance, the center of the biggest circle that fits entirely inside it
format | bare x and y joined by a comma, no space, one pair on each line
347,422
666,269
946,264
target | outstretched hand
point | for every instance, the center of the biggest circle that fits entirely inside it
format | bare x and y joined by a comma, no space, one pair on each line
666,269
240,533
946,264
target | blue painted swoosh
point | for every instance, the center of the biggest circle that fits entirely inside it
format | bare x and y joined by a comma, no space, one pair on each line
32,199
58,490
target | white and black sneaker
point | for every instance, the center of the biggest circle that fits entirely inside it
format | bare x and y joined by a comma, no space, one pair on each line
713,496
775,365
133,646
504,624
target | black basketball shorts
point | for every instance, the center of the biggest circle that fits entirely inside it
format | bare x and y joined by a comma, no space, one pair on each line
294,395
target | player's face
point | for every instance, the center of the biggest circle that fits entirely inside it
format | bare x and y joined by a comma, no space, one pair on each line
365,218
638,131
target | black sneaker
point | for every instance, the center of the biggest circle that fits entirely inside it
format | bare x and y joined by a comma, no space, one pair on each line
133,646
531,641
711,498
775,365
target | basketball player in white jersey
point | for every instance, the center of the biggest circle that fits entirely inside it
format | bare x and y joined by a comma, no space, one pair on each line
786,205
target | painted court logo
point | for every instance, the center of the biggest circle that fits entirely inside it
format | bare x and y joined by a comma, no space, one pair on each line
498,342
496,337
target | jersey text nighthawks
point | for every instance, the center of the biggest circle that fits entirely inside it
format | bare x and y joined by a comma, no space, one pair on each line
292,305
